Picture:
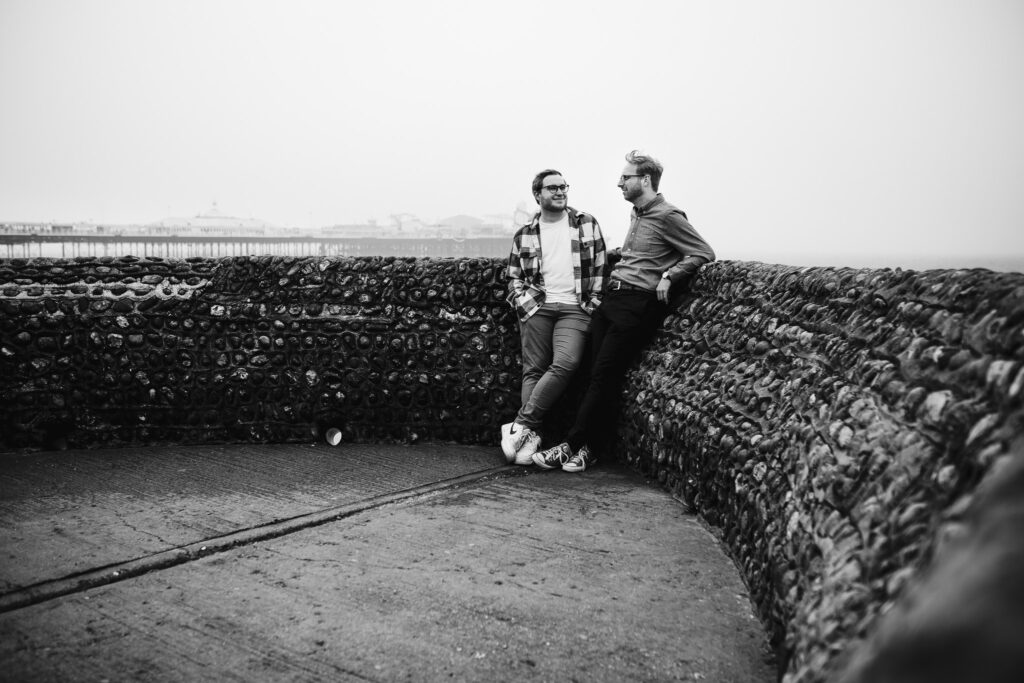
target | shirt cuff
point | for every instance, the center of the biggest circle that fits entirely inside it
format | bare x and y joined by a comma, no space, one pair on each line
688,266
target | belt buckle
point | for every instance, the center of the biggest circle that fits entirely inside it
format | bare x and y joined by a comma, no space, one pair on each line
616,285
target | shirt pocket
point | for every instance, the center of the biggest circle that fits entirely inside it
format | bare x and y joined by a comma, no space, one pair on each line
528,262
646,240
588,240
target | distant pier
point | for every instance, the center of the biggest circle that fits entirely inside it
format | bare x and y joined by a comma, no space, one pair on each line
27,245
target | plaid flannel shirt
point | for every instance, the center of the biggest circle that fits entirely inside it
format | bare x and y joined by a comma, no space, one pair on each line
526,283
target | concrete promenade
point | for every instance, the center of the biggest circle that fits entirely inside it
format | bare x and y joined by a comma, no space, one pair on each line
358,563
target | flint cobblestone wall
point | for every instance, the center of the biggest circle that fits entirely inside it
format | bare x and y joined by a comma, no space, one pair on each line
108,351
832,423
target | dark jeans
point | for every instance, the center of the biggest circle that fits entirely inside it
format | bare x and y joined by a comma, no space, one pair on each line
621,326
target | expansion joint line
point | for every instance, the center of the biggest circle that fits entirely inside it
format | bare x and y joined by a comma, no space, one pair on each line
112,573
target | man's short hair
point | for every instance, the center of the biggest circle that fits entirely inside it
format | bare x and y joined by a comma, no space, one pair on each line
646,165
538,181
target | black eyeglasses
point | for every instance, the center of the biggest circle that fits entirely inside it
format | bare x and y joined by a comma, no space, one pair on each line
556,188
624,178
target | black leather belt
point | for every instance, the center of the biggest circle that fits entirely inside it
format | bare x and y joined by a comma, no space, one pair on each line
616,285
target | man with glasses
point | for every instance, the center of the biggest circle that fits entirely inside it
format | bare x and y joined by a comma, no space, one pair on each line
556,274
661,249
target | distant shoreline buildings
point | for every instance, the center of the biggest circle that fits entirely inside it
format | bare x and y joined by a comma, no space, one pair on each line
214,233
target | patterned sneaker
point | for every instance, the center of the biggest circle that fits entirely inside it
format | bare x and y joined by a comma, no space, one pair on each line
531,444
553,457
581,461
512,436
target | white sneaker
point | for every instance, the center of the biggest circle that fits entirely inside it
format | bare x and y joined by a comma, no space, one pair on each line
531,444
512,436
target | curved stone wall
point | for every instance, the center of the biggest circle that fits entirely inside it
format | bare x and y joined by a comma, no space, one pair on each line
833,424
830,422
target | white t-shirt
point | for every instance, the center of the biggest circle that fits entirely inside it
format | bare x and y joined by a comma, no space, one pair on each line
556,262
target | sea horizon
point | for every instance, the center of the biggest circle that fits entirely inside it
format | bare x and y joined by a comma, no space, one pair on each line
998,263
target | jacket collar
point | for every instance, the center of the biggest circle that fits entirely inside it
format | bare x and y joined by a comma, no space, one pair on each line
571,212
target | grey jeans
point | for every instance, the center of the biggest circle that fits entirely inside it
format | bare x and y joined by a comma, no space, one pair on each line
553,342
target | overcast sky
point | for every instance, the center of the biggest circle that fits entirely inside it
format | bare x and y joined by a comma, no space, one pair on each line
865,130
